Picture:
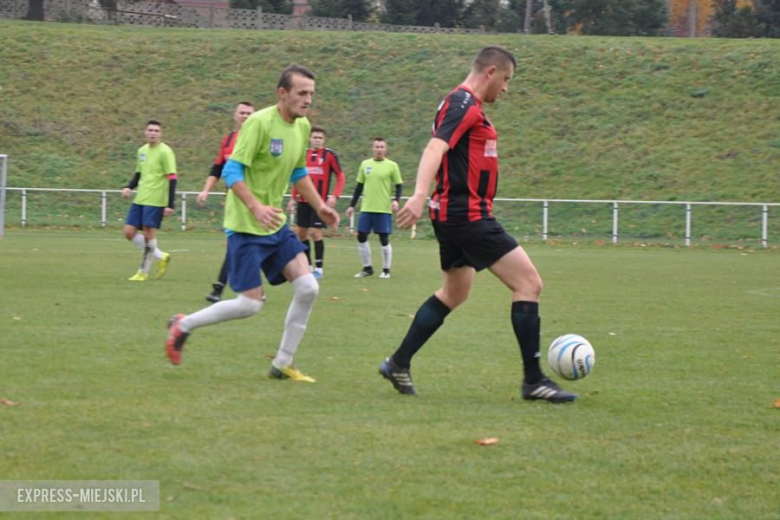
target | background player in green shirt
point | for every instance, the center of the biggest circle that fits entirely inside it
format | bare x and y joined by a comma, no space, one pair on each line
268,157
155,177
375,181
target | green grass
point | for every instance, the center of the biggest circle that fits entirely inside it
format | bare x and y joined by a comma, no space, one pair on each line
676,421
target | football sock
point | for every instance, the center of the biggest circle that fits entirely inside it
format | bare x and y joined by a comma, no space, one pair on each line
146,259
319,252
237,308
428,319
365,253
139,241
306,290
156,252
387,256
527,326
223,272
307,243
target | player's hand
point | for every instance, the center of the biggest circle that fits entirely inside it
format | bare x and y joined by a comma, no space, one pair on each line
394,206
331,201
411,212
126,193
350,212
167,212
202,196
268,217
330,216
291,205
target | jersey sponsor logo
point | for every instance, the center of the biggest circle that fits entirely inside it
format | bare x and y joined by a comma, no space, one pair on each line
142,157
314,170
277,146
368,170
433,204
491,148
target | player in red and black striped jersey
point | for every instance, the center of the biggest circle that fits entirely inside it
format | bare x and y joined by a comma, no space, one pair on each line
243,110
322,164
462,156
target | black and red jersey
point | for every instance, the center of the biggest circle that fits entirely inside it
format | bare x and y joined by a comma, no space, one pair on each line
468,176
322,164
225,150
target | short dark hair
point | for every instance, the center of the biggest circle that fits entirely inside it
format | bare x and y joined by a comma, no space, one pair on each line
153,122
285,80
317,128
375,139
247,103
493,55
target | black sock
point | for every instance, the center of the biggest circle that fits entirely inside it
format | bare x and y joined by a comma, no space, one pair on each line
308,250
223,273
428,319
527,326
319,252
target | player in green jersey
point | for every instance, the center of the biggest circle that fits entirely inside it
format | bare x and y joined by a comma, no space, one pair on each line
269,156
377,177
155,177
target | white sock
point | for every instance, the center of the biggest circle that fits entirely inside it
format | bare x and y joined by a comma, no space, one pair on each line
365,253
387,256
157,253
146,259
306,290
237,308
139,241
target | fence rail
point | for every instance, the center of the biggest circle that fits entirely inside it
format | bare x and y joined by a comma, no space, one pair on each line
517,215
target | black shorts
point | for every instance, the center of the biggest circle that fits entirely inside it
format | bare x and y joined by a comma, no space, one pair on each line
306,217
478,244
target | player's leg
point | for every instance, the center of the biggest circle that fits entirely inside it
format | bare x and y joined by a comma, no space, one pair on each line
516,270
303,222
315,233
290,264
133,223
364,248
245,257
219,285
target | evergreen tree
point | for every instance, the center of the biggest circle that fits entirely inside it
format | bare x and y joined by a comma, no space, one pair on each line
768,12
401,12
728,21
360,10
268,6
617,17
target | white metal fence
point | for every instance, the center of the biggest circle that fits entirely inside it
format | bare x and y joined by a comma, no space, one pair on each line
545,219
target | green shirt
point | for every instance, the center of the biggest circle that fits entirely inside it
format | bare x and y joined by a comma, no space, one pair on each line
270,149
379,179
154,163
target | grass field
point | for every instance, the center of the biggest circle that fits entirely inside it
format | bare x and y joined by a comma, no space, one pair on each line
676,421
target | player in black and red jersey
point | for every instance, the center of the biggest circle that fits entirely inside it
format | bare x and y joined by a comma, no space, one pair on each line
243,110
462,156
322,164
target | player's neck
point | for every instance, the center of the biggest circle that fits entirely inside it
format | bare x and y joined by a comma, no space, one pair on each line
285,114
477,87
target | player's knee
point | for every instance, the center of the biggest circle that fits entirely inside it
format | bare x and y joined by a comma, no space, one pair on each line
306,288
384,239
247,306
362,237
130,233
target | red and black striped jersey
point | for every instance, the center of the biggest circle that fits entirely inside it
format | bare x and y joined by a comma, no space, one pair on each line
468,176
225,149
322,164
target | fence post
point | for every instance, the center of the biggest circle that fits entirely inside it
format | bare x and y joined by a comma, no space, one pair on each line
67,9
259,17
545,211
211,15
183,211
764,225
614,222
103,198
437,27
688,224
3,181
349,22
24,208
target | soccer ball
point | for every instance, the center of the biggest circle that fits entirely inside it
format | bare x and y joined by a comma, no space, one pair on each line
571,356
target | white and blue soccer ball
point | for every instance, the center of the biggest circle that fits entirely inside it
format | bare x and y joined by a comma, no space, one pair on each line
571,356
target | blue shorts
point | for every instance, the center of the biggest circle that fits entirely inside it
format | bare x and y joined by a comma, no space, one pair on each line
379,222
248,253
144,216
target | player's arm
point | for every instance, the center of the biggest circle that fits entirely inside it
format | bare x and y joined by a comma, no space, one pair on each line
131,185
355,196
426,173
305,187
172,178
268,217
399,189
341,179
215,174
291,203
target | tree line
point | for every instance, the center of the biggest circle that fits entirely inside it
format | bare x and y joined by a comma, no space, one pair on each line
593,17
